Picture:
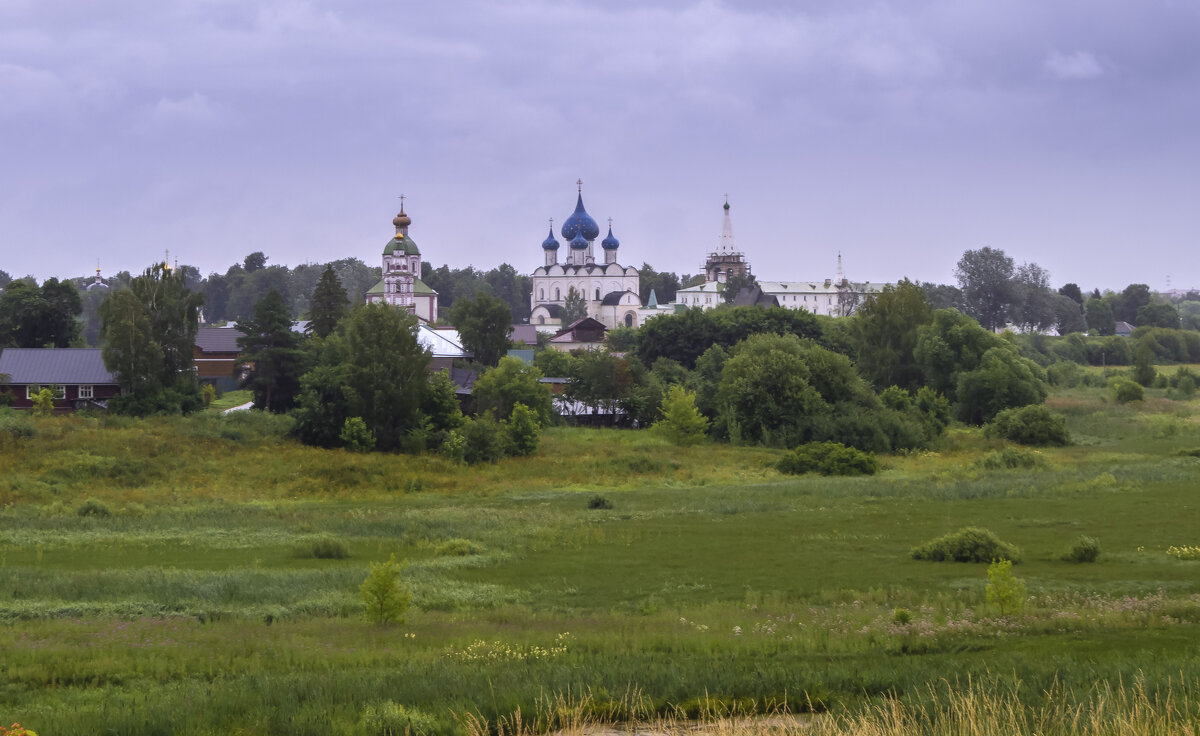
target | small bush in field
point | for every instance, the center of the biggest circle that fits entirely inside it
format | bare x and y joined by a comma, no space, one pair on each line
457,547
828,458
392,719
1085,549
599,502
969,544
356,436
1184,553
1125,391
323,548
1030,425
92,507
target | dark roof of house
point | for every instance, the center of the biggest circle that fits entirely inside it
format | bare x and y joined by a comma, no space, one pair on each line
61,366
523,333
1123,328
753,296
218,339
554,310
463,379
613,298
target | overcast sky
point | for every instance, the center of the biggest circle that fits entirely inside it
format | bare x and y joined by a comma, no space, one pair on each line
898,133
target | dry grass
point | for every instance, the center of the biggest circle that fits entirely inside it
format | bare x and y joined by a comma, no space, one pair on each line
975,709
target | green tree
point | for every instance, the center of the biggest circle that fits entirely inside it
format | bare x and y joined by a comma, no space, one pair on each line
948,346
373,368
884,335
1033,306
524,431
1143,369
1005,591
604,381
1072,292
33,317
256,261
1100,319
664,284
272,355
512,382
383,595
681,423
574,307
329,304
735,283
386,371
1158,314
1003,380
1125,305
1068,315
174,314
130,350
483,323
148,332
986,279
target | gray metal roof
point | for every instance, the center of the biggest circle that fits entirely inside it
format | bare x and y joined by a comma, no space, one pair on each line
218,339
63,366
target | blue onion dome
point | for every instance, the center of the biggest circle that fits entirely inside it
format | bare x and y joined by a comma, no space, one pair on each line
578,242
550,243
610,242
580,222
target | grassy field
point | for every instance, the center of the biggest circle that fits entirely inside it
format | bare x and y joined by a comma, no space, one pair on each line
157,577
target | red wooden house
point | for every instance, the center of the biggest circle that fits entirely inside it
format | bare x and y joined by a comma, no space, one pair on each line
76,375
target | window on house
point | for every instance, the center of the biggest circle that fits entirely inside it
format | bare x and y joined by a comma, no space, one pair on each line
597,295
85,392
557,294
541,295
629,320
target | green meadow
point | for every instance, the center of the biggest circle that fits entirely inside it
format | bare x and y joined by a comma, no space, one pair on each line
165,576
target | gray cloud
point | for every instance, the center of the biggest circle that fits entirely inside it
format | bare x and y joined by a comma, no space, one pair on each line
900,134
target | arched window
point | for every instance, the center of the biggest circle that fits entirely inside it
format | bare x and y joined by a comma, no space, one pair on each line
541,295
629,320
597,293
541,320
557,295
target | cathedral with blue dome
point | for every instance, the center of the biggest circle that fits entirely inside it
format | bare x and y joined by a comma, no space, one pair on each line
609,289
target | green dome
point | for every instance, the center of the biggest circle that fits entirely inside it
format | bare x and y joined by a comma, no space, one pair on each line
402,244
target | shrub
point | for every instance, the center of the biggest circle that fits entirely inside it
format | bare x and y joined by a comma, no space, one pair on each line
524,431
901,616
92,507
827,458
1030,425
485,440
454,447
1011,458
457,547
1005,591
1085,549
1125,391
681,423
385,598
16,425
322,548
969,544
392,719
599,502
356,436
1064,374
